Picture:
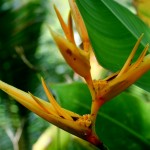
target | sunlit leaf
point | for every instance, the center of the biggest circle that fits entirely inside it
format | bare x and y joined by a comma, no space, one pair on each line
113,31
143,11
52,138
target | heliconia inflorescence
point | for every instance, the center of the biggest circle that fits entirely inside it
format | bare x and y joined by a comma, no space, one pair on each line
79,60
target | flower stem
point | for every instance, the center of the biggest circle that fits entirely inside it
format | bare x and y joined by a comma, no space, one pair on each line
93,139
90,85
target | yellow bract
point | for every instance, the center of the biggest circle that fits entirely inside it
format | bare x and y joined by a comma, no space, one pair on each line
113,85
74,56
51,112
77,58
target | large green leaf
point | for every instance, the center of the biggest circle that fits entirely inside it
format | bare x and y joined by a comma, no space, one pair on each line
113,31
122,123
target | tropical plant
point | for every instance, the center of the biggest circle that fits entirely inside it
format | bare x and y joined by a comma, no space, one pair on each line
114,34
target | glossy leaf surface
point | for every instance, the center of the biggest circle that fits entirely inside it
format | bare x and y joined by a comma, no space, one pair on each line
113,31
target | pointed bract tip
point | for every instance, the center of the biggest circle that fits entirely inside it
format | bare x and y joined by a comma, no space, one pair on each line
55,8
53,33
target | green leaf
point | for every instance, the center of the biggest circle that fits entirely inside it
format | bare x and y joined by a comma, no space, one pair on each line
73,96
122,122
113,31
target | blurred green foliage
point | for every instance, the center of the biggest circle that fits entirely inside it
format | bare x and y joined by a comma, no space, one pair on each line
25,55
